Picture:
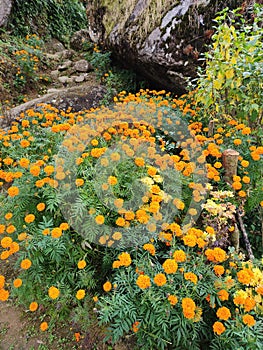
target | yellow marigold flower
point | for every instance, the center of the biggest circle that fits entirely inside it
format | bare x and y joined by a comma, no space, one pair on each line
49,169
210,230
43,326
170,266
24,162
116,264
219,254
8,216
17,282
179,255
125,259
160,279
120,222
33,306
82,264
249,304
223,313
30,218
143,281
56,232
190,276
150,248
107,286
179,204
46,231
129,215
249,320
218,165
35,170
13,191
151,171
53,292
189,307
173,300
117,236
64,226
223,295
246,179
80,294
219,270
218,328
25,264
246,131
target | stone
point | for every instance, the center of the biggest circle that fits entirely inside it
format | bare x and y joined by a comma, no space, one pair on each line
5,10
64,79
79,79
54,74
79,39
161,40
65,65
53,46
82,66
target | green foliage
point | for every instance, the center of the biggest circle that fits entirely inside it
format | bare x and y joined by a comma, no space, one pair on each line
231,84
53,18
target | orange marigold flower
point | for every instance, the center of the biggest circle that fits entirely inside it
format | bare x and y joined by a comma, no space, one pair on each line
35,170
24,162
82,264
129,215
219,270
190,276
189,240
8,216
237,142
6,242
4,295
43,326
223,295
237,185
79,182
189,307
13,191
218,328
139,162
56,232
242,194
135,326
143,281
41,206
125,259
107,286
49,169
173,300
160,279
80,294
151,171
33,306
25,264
64,226
245,163
17,282
150,248
2,281
244,277
120,222
112,180
170,266
30,218
10,229
249,304
223,313
53,292
179,255
249,320
220,255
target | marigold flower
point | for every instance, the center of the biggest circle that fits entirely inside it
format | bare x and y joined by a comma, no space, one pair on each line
107,286
10,229
223,313
129,215
8,216
245,163
2,281
218,328
80,294
6,242
24,162
82,264
25,264
125,259
13,191
189,307
120,222
190,276
29,218
17,282
139,162
237,185
249,320
173,300
160,279
249,304
223,295
53,292
41,206
33,306
79,182
56,232
112,180
219,270
150,248
170,266
64,226
179,256
189,240
117,236
4,294
43,326
49,169
135,326
244,277
35,170
242,194
143,281
237,142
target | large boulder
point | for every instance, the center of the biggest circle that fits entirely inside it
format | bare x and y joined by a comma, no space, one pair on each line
160,39
5,10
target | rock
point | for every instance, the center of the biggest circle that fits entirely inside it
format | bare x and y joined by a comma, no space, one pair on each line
82,66
61,55
54,46
54,74
161,40
64,79
79,39
5,10
65,65
79,79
